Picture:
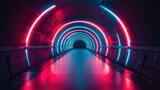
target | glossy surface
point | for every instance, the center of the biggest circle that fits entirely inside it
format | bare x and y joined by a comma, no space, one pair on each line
79,69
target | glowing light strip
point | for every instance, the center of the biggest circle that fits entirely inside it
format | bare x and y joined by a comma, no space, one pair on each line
71,40
31,29
67,42
82,36
119,44
86,22
72,34
36,21
75,32
94,38
121,23
83,27
78,33
125,31
27,57
128,56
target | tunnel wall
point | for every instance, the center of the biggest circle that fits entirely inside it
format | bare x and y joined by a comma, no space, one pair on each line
142,22
13,62
144,61
140,16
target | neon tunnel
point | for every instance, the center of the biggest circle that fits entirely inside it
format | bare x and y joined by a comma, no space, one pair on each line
92,37
79,45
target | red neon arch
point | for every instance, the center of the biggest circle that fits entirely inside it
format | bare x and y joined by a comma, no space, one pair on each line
121,23
36,21
82,34
93,36
86,22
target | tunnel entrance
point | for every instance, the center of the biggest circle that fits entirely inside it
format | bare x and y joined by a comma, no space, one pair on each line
79,44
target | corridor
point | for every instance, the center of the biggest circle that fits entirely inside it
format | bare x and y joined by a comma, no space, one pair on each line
79,69
79,45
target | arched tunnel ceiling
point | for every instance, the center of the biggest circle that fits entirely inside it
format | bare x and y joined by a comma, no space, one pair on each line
125,31
140,17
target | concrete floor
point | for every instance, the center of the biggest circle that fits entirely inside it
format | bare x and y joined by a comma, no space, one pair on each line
79,69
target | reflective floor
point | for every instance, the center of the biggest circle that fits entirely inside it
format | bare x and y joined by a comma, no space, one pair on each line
79,69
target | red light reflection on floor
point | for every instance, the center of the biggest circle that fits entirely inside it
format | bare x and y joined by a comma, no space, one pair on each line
80,70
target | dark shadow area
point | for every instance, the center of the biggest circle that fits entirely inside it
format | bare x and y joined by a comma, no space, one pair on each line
79,44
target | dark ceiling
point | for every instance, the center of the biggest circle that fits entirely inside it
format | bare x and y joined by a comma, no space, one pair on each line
140,16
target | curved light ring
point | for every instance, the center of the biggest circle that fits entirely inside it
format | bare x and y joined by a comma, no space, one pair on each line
124,29
27,57
75,39
128,56
82,28
79,33
31,29
95,39
119,46
72,39
86,22
36,21
121,23
88,40
82,37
